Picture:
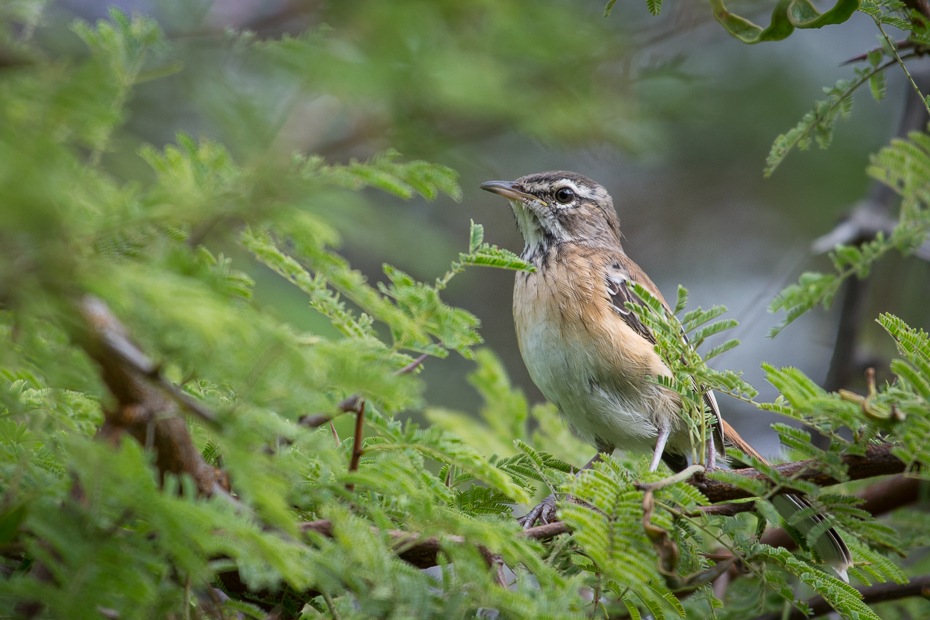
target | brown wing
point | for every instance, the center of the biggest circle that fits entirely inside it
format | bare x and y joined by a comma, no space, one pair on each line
619,291
619,275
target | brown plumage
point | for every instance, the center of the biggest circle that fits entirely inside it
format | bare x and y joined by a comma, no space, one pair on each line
586,350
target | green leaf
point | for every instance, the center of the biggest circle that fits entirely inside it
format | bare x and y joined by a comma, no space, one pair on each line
788,15
476,237
10,521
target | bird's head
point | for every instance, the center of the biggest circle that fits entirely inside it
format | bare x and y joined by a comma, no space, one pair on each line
560,207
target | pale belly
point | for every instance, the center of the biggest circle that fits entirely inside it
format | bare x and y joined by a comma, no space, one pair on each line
607,406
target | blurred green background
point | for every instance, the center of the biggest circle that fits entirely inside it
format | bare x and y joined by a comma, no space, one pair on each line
669,113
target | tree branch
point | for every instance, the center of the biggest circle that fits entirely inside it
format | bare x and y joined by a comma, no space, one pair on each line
921,6
918,586
879,499
877,461
143,410
422,552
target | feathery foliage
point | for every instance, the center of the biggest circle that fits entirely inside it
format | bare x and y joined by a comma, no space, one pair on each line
677,341
273,511
904,166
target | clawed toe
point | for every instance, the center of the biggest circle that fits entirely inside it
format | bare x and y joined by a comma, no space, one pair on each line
544,513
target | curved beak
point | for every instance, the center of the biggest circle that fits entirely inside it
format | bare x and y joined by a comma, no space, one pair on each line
507,189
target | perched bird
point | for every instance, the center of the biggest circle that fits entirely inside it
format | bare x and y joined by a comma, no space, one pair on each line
588,353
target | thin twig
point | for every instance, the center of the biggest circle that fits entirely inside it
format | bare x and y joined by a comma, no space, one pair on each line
597,597
351,404
357,445
412,365
904,44
187,598
317,420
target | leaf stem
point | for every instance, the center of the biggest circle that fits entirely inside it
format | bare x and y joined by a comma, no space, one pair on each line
330,605
897,58
770,168
667,482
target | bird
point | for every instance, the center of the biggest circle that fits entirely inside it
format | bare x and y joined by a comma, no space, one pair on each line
590,355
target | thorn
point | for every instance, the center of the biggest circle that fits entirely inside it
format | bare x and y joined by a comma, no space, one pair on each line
412,365
901,45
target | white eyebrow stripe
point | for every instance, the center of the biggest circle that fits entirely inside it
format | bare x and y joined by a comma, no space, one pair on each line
567,183
580,190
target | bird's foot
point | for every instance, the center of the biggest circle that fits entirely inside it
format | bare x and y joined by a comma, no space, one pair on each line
544,513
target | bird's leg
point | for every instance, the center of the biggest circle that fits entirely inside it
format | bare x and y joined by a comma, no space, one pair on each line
710,461
594,460
660,448
545,511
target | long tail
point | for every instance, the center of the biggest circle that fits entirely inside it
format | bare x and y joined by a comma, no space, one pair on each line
829,546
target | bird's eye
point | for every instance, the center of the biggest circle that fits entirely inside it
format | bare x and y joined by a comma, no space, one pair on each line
565,195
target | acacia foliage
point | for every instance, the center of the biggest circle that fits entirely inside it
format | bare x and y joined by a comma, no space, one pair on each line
88,528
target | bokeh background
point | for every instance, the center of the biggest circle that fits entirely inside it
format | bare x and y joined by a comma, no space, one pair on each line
669,113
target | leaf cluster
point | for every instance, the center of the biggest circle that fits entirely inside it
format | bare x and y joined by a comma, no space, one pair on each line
904,166
91,527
